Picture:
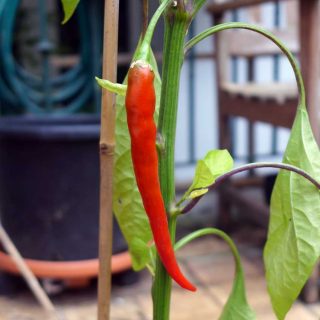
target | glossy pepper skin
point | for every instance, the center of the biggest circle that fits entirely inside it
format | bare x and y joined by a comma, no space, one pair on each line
140,107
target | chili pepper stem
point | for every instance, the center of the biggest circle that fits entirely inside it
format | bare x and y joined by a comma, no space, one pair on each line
147,37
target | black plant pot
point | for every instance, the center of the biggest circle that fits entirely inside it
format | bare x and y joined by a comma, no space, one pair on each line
49,186
269,182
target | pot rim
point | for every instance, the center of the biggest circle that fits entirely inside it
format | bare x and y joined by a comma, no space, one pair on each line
66,269
45,127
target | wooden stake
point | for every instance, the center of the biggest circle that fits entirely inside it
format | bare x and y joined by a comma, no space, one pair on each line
107,145
27,274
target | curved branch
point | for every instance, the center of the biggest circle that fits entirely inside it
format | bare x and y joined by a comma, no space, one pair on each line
146,42
212,231
269,35
247,167
237,301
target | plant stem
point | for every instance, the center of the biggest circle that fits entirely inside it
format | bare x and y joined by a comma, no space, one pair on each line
173,58
239,25
212,231
247,167
176,24
146,42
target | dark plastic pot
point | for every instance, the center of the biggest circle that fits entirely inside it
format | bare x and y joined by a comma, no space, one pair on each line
269,182
49,186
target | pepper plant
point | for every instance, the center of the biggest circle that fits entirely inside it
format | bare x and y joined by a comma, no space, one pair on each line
144,185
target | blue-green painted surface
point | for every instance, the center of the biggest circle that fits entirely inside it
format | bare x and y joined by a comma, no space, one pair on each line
51,91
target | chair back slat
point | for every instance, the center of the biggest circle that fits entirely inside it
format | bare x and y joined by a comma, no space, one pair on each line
253,44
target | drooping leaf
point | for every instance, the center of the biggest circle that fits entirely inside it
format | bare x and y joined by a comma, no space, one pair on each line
237,307
214,164
69,6
127,203
293,244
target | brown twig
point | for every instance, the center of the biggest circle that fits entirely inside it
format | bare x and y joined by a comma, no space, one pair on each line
145,16
107,144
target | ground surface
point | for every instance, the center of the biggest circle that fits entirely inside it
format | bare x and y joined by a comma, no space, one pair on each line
206,262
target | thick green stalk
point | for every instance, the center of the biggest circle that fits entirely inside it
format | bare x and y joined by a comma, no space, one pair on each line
176,24
173,58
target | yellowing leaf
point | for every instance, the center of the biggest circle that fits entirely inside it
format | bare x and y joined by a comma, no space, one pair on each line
214,164
293,244
197,193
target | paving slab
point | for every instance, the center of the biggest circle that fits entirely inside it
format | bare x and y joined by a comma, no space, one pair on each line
206,262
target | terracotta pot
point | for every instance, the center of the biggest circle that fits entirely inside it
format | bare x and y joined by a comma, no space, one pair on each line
66,270
49,195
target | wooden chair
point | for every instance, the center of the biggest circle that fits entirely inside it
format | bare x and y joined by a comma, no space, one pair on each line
273,103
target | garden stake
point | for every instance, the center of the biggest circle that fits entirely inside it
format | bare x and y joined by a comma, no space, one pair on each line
27,274
107,144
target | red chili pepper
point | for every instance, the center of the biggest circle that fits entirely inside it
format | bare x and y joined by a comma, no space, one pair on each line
140,106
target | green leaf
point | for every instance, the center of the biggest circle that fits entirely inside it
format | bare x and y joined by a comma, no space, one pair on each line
237,307
197,193
293,244
69,6
214,164
127,203
117,88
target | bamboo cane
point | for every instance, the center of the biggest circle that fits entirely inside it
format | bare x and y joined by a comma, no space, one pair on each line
29,277
107,145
